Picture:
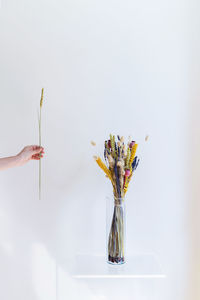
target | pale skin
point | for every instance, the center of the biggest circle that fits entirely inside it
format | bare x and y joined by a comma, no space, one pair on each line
33,152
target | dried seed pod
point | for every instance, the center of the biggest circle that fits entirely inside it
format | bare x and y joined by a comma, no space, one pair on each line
132,144
127,173
122,139
42,97
111,161
93,143
120,163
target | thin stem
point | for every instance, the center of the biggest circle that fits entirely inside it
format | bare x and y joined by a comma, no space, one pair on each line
40,143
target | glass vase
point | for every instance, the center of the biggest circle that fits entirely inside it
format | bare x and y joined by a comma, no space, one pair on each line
116,224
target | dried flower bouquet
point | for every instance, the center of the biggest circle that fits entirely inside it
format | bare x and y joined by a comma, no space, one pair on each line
121,163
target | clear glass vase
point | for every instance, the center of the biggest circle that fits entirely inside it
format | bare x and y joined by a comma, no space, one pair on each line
116,225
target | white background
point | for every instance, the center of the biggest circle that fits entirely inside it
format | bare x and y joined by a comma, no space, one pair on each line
122,67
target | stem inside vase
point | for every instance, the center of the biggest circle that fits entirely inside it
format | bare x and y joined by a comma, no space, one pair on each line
117,234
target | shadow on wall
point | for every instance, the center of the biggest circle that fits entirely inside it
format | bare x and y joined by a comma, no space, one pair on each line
194,207
30,251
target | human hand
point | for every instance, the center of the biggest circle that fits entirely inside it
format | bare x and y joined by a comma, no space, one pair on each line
33,152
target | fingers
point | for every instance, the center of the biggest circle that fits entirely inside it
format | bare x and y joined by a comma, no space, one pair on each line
38,156
37,149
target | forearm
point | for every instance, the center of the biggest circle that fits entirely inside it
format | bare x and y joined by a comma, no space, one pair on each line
32,152
9,162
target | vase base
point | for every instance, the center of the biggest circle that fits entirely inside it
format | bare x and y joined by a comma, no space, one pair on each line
116,260
116,264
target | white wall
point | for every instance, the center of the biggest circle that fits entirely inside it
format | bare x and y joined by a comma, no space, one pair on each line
193,291
107,67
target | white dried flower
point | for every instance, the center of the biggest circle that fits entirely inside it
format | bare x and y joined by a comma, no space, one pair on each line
122,139
93,143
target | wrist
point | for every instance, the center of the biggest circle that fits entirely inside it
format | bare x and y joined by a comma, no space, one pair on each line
18,159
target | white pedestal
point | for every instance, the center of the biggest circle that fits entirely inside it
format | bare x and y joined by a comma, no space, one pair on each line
91,277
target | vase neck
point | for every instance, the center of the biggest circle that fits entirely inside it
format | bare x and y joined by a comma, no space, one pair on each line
118,201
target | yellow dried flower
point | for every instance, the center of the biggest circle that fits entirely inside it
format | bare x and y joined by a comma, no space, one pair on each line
103,167
42,96
126,185
133,151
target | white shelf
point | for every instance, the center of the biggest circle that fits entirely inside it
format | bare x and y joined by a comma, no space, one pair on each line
91,267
